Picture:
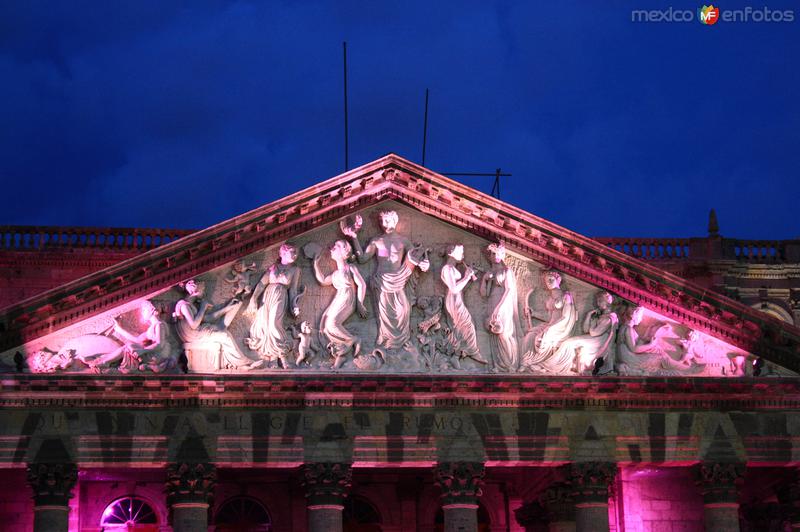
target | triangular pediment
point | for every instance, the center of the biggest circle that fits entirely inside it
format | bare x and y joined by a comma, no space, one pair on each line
698,328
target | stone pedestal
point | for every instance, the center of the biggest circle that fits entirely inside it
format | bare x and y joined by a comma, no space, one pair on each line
190,492
52,489
460,483
719,484
327,485
591,482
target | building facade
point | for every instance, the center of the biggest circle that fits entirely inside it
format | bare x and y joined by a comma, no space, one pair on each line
391,350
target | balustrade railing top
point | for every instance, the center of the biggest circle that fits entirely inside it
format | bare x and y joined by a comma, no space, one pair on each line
41,238
753,251
649,248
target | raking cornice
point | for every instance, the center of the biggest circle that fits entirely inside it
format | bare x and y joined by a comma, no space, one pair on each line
394,178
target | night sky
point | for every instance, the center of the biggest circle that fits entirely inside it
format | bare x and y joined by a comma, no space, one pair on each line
163,114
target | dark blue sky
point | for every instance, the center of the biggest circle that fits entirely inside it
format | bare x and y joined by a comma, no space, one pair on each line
159,114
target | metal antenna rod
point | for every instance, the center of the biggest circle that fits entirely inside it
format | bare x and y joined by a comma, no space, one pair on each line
425,129
497,175
346,143
496,187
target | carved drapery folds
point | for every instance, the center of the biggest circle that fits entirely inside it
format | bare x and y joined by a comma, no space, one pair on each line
460,482
190,483
52,483
592,481
720,482
327,483
250,317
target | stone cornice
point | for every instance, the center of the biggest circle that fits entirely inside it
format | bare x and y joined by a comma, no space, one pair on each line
394,178
356,391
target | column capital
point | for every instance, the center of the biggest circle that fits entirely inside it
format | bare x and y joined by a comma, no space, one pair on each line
460,482
719,482
52,483
591,481
327,483
190,483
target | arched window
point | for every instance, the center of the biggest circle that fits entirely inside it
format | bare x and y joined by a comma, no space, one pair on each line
129,514
242,514
483,519
360,516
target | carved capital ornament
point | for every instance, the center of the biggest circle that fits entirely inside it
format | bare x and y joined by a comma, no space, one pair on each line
460,482
190,483
52,483
327,483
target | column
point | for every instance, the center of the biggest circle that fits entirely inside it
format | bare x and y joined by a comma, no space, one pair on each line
460,483
52,489
719,484
327,485
190,491
591,482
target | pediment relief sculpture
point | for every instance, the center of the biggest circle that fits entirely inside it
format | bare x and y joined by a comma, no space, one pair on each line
389,290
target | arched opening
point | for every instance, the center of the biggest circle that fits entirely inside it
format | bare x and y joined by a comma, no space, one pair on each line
129,514
774,310
360,515
242,514
484,524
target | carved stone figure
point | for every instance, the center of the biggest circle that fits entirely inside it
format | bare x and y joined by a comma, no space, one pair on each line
203,329
694,349
48,361
277,292
307,346
148,350
578,354
350,292
635,356
499,284
396,259
542,341
240,278
466,341
370,361
437,342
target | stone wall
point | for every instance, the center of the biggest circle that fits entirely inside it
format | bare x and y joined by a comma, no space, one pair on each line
660,500
16,504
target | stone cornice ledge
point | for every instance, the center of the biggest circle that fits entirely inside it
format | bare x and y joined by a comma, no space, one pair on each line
356,391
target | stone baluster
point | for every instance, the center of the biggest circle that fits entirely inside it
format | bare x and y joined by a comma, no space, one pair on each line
327,485
719,484
591,483
460,483
52,489
190,492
